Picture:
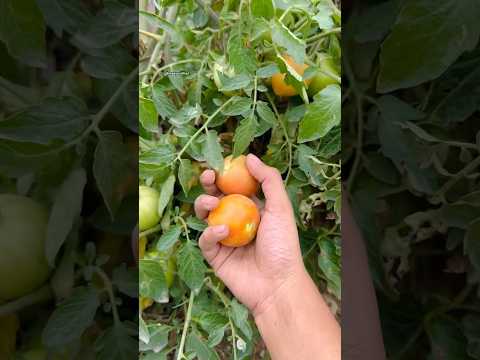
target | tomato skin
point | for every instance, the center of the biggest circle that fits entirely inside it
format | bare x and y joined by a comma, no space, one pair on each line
235,178
23,228
242,217
280,87
322,79
147,207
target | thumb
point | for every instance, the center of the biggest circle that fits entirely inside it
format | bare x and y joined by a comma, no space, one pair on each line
276,197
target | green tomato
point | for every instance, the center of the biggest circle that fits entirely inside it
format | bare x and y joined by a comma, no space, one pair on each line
23,228
167,263
147,207
328,75
221,69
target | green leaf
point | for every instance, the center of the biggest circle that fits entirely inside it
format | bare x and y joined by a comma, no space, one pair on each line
212,150
143,333
283,37
22,29
235,83
321,115
116,343
54,119
244,135
266,113
186,175
238,106
153,284
239,315
191,267
148,115
196,224
200,348
164,106
64,15
446,338
65,211
426,40
166,194
71,318
110,167
185,115
169,238
267,71
160,155
126,280
158,338
110,25
240,57
156,20
329,263
263,8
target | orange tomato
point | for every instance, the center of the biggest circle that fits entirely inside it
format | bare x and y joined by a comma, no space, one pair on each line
241,216
280,87
235,178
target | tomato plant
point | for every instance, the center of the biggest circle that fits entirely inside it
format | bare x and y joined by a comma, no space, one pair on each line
206,99
241,216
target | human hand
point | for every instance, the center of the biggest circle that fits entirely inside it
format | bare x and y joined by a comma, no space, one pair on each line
254,272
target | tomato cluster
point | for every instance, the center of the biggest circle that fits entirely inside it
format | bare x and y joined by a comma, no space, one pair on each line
236,209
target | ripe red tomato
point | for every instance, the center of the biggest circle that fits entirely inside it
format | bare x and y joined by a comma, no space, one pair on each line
23,228
242,217
235,178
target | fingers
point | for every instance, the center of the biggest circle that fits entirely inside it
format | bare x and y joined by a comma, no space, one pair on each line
204,204
209,239
272,184
207,179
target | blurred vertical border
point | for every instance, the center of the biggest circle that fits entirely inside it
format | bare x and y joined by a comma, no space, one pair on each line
68,179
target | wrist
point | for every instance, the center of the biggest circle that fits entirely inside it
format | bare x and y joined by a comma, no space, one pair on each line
292,287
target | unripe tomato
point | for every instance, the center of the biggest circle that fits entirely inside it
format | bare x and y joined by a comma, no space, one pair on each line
167,263
221,67
241,216
23,228
326,76
142,245
145,303
280,87
147,207
235,178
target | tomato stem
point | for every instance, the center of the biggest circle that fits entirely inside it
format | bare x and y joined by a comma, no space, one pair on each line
188,318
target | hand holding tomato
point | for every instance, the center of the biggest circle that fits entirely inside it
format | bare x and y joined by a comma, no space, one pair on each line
254,272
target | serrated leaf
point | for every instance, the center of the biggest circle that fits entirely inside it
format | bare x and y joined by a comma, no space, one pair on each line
166,194
265,113
110,168
165,107
116,343
283,37
406,57
239,315
191,267
186,175
148,115
71,318
240,57
65,211
200,348
329,263
54,119
153,284
212,151
22,29
321,115
238,106
244,135
126,280
169,238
